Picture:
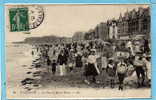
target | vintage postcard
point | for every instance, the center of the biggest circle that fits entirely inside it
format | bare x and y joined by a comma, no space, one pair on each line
85,51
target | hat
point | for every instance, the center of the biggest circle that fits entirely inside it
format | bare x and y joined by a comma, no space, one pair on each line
121,57
71,50
93,50
110,58
79,53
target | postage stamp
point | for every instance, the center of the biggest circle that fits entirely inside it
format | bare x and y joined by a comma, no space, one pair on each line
19,19
26,18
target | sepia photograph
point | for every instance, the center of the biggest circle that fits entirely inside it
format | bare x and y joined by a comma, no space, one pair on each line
78,51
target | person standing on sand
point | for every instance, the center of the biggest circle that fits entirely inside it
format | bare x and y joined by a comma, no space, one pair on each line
140,67
78,60
86,69
110,69
148,70
71,60
130,47
92,69
61,62
103,62
48,64
53,65
121,72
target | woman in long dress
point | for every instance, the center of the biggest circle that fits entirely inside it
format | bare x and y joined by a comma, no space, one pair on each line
71,60
92,69
78,59
61,62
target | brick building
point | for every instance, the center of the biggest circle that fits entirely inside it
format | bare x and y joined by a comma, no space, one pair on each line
102,31
134,22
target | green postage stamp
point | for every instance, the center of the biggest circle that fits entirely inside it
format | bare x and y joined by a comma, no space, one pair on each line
25,18
18,19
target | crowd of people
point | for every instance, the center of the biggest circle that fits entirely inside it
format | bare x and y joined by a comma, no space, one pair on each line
117,58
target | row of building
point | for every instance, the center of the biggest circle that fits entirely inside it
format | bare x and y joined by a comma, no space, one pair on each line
134,22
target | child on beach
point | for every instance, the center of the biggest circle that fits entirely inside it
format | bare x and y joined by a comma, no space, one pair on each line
48,64
121,72
110,69
53,65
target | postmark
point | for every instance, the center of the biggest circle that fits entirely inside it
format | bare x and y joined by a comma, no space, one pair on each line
36,16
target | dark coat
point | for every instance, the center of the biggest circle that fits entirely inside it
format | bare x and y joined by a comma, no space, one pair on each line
61,59
79,61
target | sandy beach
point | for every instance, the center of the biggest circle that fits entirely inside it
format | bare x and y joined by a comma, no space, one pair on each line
20,70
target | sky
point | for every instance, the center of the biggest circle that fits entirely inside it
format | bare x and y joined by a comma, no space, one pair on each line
65,20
